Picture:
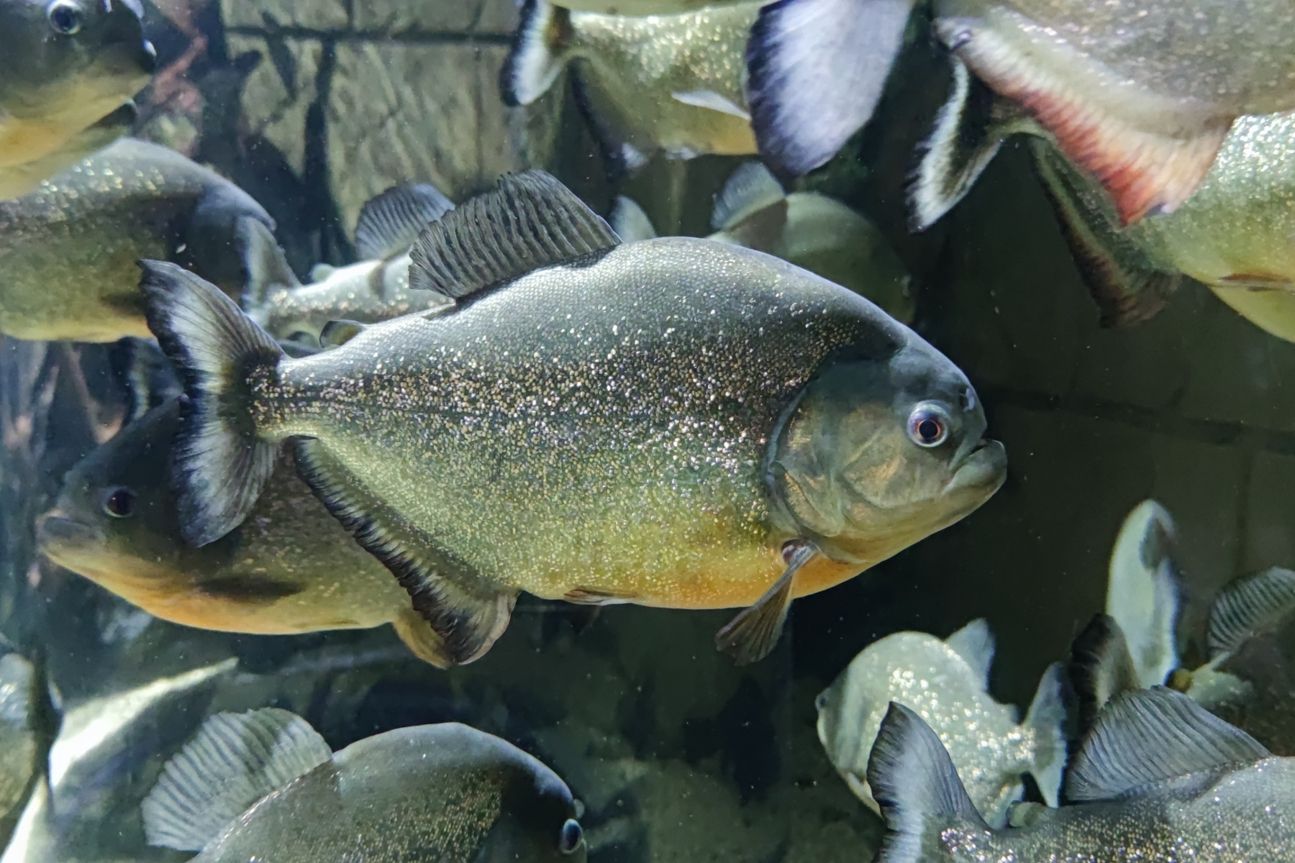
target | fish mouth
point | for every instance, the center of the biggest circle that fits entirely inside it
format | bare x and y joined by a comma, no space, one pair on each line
64,540
983,468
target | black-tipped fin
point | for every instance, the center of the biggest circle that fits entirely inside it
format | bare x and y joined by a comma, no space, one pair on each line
1124,284
752,635
1047,718
975,644
334,334
467,614
539,51
969,130
629,221
422,640
1142,590
265,267
1152,736
1100,668
528,222
1248,607
915,784
234,760
816,71
749,190
220,465
391,222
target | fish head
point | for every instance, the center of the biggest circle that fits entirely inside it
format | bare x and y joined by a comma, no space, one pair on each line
538,821
880,452
116,519
86,57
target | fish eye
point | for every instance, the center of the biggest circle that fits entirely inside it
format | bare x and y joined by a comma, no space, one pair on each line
928,425
572,836
64,17
119,503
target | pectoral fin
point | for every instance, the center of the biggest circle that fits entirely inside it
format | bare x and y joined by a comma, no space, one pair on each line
751,635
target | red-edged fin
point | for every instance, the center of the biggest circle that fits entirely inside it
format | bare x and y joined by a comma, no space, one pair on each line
1126,286
1259,281
1145,170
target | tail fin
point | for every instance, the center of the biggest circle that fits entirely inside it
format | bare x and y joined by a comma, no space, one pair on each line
220,464
540,50
146,376
1047,718
969,130
1100,668
1142,590
629,221
265,267
816,71
915,784
1249,607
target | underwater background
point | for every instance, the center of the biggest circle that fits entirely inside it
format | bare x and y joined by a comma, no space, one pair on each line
315,106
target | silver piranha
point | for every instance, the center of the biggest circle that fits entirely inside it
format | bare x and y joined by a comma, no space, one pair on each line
663,83
68,250
264,785
1158,780
676,423
1139,94
67,74
804,228
289,568
374,289
946,683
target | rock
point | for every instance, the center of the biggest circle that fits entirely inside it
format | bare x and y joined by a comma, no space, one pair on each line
404,17
274,14
280,91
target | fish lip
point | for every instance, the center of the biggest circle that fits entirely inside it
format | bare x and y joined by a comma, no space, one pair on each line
57,536
983,466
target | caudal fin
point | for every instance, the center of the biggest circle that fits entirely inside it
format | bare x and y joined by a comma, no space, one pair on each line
220,465
1048,718
540,50
916,785
816,71
1100,669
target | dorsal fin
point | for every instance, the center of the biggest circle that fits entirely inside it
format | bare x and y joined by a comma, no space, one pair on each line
234,760
975,644
1247,607
528,222
390,223
748,190
1151,736
1142,594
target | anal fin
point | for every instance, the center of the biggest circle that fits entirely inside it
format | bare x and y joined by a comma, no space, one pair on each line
467,614
751,635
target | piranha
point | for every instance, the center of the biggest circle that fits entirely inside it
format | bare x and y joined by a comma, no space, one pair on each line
805,228
264,785
1158,780
19,737
660,83
1139,94
374,289
289,568
68,250
675,423
947,684
67,74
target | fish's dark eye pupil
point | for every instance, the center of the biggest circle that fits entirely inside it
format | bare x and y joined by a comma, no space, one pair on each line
65,18
120,503
572,836
929,429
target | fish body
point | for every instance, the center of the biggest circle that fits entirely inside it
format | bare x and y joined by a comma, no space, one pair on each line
67,74
1158,780
671,423
1140,95
432,792
289,568
19,742
68,249
643,7
661,83
945,682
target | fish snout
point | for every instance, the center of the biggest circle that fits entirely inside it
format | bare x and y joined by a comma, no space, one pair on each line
56,533
983,467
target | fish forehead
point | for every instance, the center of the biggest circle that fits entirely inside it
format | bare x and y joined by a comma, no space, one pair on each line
1230,53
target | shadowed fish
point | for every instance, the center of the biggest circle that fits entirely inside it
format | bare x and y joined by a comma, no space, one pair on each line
264,785
67,73
19,738
68,250
947,684
804,228
675,422
374,289
1140,95
662,83
289,568
1158,780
